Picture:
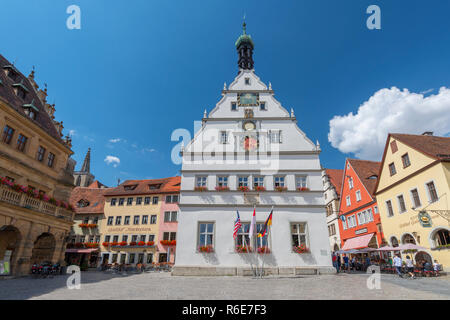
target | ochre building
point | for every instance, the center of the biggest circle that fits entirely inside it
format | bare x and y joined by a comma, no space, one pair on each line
36,174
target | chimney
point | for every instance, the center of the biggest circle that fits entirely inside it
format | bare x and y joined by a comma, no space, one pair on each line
427,133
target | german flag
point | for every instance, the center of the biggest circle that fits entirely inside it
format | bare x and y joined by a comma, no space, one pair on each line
268,223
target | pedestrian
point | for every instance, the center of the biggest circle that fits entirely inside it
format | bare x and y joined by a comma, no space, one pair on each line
334,259
436,267
398,265
345,262
367,261
410,267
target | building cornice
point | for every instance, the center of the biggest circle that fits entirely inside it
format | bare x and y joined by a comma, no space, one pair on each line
247,205
270,91
252,192
359,208
200,171
254,118
267,154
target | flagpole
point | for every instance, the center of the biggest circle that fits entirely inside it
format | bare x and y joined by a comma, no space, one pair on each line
246,246
269,234
256,245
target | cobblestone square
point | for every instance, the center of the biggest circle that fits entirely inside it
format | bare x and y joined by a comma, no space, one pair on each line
155,286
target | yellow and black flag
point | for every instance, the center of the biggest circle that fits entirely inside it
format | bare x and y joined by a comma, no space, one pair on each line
267,224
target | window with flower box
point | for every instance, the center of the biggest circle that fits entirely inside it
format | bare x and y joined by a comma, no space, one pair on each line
151,237
258,181
201,181
107,238
142,237
124,238
170,236
243,181
115,238
206,234
242,236
299,234
279,181
222,181
300,183
134,238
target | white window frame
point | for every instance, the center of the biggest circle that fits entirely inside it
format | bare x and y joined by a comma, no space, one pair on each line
206,233
273,138
400,211
412,198
299,181
348,201
200,181
223,134
358,198
298,234
282,183
350,183
387,208
245,184
257,182
428,191
224,182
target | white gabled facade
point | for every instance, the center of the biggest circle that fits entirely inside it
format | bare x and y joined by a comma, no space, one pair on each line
223,148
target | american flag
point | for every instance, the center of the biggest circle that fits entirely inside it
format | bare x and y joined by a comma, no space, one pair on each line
237,225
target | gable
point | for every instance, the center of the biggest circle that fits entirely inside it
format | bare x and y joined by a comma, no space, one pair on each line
417,159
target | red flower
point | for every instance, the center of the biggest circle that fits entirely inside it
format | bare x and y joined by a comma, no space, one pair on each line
208,248
243,249
260,188
141,243
133,243
243,188
105,244
280,188
124,243
222,188
303,189
263,250
150,243
301,249
114,243
200,188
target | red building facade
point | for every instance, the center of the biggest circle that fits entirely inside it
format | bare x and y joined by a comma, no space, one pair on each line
359,218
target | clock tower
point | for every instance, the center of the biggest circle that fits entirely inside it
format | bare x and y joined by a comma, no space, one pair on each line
250,154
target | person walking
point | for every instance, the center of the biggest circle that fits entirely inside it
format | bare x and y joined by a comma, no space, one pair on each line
338,260
398,265
334,259
345,262
410,267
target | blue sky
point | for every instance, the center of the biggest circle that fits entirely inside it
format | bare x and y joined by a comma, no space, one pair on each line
139,69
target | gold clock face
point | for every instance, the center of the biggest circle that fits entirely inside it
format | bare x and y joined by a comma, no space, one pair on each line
248,126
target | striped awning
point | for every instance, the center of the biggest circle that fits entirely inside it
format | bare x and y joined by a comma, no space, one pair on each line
358,242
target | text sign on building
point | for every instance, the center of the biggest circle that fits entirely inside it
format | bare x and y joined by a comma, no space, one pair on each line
364,230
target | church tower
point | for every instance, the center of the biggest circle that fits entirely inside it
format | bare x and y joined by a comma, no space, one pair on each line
84,178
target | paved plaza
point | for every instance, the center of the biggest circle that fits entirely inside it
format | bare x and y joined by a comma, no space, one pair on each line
161,285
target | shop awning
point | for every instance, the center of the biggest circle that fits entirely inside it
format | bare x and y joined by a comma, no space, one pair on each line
358,242
80,250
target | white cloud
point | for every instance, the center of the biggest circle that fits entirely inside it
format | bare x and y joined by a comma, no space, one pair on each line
115,140
112,160
72,133
148,150
389,111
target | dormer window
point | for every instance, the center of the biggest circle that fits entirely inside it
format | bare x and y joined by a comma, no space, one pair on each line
21,90
83,203
154,186
30,110
247,81
130,187
11,72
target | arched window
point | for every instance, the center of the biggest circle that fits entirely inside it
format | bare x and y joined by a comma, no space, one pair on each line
407,238
394,242
441,238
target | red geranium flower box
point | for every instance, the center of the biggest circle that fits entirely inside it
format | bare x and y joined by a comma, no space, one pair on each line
200,188
150,243
141,243
263,250
222,188
123,243
133,243
105,244
114,243
208,248
303,189
301,249
280,189
260,188
244,188
243,249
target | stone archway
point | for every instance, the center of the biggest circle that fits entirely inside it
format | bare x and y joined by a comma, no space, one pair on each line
422,255
10,238
408,238
44,248
336,247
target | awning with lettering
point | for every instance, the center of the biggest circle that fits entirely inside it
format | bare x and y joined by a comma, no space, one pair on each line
80,250
358,242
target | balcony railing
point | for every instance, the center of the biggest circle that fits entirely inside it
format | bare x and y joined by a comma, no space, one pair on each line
20,199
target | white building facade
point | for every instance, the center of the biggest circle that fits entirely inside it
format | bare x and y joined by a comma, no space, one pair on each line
250,155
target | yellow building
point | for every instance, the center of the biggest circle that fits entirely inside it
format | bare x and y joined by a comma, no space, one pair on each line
36,175
413,194
130,229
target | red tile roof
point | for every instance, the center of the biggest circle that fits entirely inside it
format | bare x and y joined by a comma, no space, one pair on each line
7,94
97,184
335,176
367,172
436,147
95,197
137,187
